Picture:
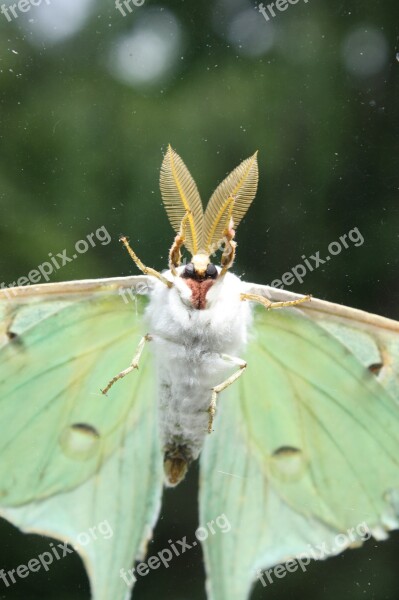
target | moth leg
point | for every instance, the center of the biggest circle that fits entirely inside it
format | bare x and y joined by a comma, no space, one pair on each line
133,365
268,304
222,386
141,266
174,253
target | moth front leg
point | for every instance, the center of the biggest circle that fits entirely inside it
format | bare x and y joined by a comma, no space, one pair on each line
141,266
239,362
268,304
133,365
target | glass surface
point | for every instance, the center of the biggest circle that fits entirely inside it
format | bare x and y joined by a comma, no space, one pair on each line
91,93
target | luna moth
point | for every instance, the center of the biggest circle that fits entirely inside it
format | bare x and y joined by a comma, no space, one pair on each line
290,403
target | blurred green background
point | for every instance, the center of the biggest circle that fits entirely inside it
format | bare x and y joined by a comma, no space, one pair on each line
89,100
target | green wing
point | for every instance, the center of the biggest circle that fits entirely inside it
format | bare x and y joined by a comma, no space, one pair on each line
306,445
71,458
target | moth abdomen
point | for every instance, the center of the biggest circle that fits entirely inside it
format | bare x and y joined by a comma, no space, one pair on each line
177,459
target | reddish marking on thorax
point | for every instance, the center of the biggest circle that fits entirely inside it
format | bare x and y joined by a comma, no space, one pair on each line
199,291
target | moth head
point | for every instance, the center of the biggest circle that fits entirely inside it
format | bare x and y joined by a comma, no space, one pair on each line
196,279
200,268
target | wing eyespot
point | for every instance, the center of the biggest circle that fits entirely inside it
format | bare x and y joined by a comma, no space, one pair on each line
375,368
80,441
285,451
85,428
14,339
288,463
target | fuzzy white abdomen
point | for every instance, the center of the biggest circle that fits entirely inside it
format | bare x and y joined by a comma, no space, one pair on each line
188,344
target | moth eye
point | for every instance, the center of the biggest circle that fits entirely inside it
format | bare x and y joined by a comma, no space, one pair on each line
189,270
211,271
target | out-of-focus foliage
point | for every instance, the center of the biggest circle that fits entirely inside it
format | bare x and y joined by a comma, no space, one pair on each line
89,100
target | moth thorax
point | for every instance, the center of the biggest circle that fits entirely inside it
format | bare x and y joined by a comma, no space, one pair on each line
177,459
200,262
